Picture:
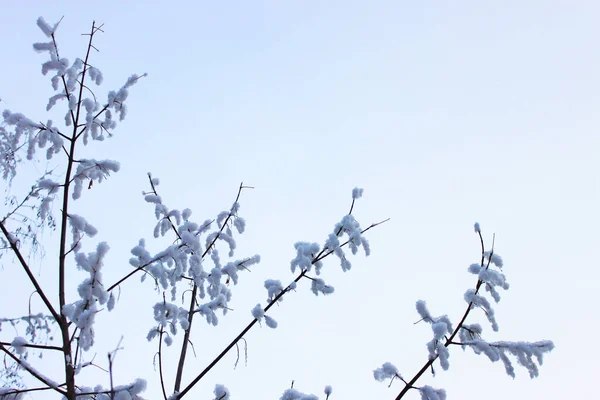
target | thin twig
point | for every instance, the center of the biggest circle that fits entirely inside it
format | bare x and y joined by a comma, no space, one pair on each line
160,366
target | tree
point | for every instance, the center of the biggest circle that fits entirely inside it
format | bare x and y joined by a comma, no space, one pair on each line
190,267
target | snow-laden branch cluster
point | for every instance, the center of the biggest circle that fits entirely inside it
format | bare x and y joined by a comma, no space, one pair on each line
386,371
93,171
430,393
258,313
67,81
526,353
490,276
131,391
441,327
184,261
309,254
93,294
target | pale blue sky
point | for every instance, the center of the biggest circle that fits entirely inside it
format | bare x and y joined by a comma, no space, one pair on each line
446,113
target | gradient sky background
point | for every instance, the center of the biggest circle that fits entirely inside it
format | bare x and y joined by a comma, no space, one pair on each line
446,113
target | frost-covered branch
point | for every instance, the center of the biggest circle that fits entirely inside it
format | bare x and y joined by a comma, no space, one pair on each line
222,220
35,346
444,334
305,261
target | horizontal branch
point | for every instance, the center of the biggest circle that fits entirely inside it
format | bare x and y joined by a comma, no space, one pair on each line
35,346
12,392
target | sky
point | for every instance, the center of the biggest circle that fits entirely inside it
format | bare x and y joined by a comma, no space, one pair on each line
446,114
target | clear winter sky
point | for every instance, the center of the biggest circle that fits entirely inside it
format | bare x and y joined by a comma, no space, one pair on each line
446,113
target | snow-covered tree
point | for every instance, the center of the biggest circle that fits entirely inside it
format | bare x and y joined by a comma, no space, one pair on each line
193,276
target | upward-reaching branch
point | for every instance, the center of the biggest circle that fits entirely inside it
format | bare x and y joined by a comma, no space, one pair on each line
186,335
410,384
64,326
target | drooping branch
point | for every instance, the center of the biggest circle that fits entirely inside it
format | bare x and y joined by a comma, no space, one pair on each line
25,266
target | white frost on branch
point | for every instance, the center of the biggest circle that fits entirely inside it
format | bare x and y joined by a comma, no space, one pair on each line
386,371
121,392
441,327
116,99
305,255
526,353
92,292
293,394
185,258
477,300
35,135
218,235
318,286
232,268
208,309
79,227
92,170
274,287
271,323
469,332
357,193
169,315
221,393
52,189
258,313
19,344
429,393
350,227
45,27
494,259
